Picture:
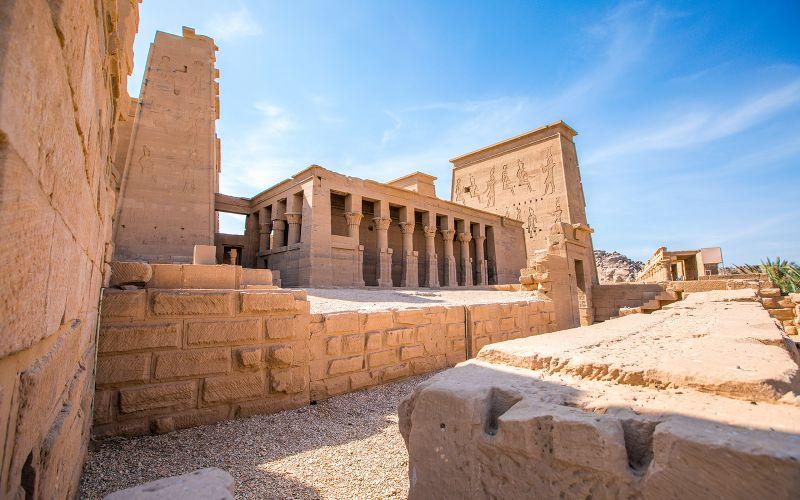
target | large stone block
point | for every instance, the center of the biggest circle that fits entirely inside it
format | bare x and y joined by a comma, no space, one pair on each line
233,388
266,302
132,337
209,277
345,365
156,397
124,304
168,276
123,368
130,273
204,333
665,405
280,328
192,363
191,303
205,255
341,322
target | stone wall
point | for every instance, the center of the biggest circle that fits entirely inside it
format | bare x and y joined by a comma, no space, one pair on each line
64,67
609,299
171,359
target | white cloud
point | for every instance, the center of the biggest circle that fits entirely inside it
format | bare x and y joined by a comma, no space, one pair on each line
691,128
234,24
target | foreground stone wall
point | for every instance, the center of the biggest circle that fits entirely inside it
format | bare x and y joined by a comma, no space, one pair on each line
63,71
170,359
698,400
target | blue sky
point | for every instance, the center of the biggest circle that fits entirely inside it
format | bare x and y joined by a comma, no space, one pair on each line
688,114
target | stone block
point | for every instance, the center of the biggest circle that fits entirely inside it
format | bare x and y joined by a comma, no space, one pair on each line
253,302
197,417
281,355
190,303
233,387
456,330
192,363
345,365
333,346
376,321
209,277
341,322
209,483
103,400
507,324
123,368
353,344
130,273
168,276
396,372
155,397
409,352
123,304
132,337
258,277
249,357
381,358
770,292
288,380
398,337
423,365
373,341
273,404
781,314
205,333
362,380
204,255
409,316
455,314
280,328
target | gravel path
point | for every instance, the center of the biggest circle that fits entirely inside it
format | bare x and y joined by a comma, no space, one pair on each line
346,447
327,300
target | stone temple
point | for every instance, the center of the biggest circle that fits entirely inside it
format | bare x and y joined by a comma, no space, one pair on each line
126,312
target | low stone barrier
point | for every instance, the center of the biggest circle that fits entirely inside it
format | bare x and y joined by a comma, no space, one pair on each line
609,299
172,359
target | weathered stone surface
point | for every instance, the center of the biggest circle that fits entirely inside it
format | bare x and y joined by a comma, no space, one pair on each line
192,363
280,328
233,388
710,407
223,332
183,303
130,273
123,368
203,484
124,337
124,304
179,394
257,302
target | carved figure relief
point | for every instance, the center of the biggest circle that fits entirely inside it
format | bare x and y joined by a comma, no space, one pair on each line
508,214
144,159
472,189
187,172
531,228
507,184
519,214
547,169
522,175
490,189
459,192
557,212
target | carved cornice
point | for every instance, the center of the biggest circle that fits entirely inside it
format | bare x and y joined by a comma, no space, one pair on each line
353,218
406,227
382,223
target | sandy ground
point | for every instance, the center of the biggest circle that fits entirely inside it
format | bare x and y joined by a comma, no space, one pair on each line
326,300
346,447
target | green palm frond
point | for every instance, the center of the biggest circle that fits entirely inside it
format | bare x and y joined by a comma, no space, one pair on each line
784,274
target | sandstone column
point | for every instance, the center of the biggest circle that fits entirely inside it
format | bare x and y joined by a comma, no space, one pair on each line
482,265
278,225
353,223
294,220
466,262
432,280
449,259
410,270
265,227
382,222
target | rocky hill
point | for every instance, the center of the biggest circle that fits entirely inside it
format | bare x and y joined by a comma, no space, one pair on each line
613,267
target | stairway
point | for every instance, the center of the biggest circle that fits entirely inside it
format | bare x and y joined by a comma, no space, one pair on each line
654,303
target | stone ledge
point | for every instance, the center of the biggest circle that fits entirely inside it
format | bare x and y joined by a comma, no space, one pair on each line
203,484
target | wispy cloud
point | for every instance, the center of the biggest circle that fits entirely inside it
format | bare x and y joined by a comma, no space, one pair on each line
234,24
691,128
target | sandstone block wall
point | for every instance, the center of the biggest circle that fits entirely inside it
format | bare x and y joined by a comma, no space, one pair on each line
609,299
63,71
170,359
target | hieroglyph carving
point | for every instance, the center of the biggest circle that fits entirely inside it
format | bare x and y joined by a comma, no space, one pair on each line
547,169
522,175
490,189
557,212
531,228
507,184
